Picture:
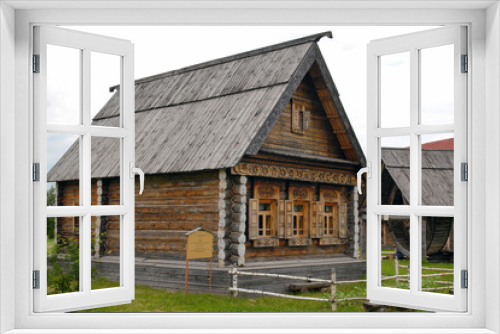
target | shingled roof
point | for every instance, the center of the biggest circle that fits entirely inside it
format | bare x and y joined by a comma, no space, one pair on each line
208,116
437,174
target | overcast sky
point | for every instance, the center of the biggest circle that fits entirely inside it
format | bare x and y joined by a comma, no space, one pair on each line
160,49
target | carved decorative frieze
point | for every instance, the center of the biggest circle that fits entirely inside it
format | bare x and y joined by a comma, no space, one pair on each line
292,173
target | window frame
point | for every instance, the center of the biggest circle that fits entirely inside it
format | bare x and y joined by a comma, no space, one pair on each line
335,215
272,214
482,56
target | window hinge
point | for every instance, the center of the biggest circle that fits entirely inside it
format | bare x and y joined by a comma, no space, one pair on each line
465,279
465,64
464,171
36,172
36,63
36,279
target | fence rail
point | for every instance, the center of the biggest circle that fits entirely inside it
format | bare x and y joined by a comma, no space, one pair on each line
334,283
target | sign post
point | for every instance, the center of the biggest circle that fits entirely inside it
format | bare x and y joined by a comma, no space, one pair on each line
199,246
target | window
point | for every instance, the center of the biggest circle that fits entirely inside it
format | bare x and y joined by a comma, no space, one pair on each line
403,72
330,224
301,117
75,242
300,221
266,218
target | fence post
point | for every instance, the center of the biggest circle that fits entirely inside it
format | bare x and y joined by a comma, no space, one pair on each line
334,290
396,261
235,282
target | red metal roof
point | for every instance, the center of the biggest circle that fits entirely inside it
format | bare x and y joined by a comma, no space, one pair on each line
443,144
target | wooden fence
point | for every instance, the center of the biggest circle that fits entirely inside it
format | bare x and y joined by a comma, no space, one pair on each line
333,283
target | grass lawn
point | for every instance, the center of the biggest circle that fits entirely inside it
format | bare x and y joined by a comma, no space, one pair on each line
149,299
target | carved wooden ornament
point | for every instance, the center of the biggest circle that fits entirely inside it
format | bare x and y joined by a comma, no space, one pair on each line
293,173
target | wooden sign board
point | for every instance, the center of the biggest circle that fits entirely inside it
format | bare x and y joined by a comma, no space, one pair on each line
199,245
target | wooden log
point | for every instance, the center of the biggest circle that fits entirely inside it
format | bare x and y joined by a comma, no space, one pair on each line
225,222
239,217
239,199
238,238
306,287
238,208
235,227
224,254
242,179
237,249
222,174
224,243
239,189
224,232
222,204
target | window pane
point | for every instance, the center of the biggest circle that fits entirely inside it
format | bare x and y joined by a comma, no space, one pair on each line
437,85
437,254
106,171
395,167
395,251
63,169
105,73
298,208
395,90
437,169
63,85
264,207
106,252
63,255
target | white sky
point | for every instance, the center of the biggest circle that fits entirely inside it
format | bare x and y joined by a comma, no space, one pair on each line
160,49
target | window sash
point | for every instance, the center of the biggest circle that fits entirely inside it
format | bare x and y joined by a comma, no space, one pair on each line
86,297
415,298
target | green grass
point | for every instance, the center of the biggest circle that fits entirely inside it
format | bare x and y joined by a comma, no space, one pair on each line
148,299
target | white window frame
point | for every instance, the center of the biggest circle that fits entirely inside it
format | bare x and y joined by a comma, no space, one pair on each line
484,103
86,43
413,44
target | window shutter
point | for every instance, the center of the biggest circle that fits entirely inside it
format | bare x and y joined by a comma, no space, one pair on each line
281,219
343,220
320,210
313,220
253,218
288,219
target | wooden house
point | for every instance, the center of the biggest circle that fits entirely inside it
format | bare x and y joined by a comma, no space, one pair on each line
437,189
255,147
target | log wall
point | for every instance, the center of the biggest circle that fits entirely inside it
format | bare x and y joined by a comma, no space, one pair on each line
170,206
284,251
319,140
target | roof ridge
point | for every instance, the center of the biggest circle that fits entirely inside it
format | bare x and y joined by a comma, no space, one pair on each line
237,56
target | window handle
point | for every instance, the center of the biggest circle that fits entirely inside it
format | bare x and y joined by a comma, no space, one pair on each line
368,171
135,170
